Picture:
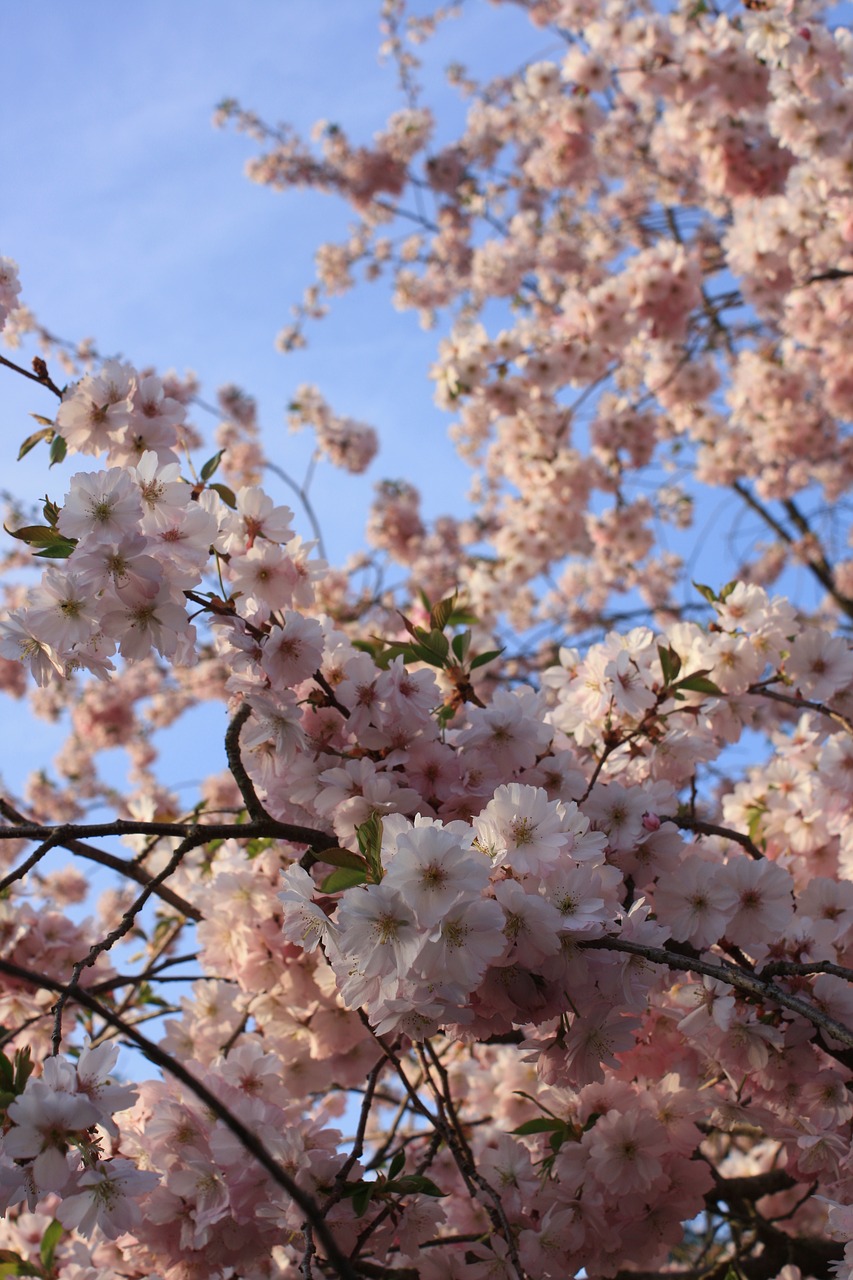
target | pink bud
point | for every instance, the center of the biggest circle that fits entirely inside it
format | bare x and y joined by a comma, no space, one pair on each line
651,822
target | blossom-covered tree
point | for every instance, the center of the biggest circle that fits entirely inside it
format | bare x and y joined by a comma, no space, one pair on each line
493,957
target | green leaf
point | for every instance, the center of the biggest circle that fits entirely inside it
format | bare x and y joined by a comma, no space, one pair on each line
342,858
670,663
439,642
698,683
51,512
12,1264
423,654
58,450
361,1197
413,631
755,815
396,1165
39,535
414,1184
441,612
461,644
51,1238
31,533
46,433
366,646
227,495
23,1062
369,836
482,658
708,592
210,466
59,551
395,650
343,878
542,1124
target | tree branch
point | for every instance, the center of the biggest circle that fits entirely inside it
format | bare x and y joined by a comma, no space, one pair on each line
245,1136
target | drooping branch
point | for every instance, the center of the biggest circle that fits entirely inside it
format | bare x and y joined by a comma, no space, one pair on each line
71,836
749,984
41,375
714,829
245,1136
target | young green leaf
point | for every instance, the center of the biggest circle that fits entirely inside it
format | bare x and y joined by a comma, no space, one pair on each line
482,658
670,663
343,878
227,495
58,450
361,1197
210,466
51,1238
342,858
369,836
12,1264
441,612
542,1124
698,683
461,644
414,1184
46,433
708,592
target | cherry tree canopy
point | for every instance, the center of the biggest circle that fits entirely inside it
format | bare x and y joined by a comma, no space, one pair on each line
516,937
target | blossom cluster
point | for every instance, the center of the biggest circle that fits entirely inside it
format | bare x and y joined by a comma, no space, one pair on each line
10,288
572,192
53,1143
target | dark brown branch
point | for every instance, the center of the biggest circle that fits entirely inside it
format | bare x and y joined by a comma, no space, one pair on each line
712,829
124,867
793,700
790,968
254,807
750,1188
40,376
70,836
248,1140
747,983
